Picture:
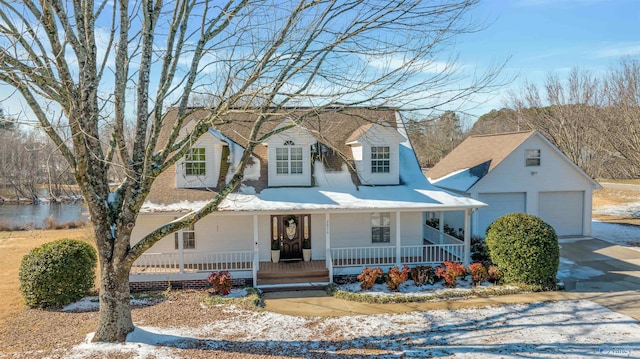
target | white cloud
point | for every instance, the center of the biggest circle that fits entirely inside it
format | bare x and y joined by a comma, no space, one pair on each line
422,66
619,50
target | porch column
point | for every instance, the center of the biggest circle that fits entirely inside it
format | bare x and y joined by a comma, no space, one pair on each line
467,237
256,260
441,226
327,236
180,250
398,240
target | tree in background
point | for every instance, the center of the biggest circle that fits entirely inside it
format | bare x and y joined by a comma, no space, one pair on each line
619,123
433,138
91,65
593,120
28,161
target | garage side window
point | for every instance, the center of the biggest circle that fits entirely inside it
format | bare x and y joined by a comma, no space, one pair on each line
532,157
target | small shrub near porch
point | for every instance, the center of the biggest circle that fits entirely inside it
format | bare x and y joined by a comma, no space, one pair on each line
525,248
57,273
368,277
221,282
450,272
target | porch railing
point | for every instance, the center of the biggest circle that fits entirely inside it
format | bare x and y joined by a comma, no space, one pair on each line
433,235
158,263
430,254
363,256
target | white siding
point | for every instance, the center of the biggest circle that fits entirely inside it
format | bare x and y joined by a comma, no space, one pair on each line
145,224
356,151
213,158
378,136
354,229
318,237
553,174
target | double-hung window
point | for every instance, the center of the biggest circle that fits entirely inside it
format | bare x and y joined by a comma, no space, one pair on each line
381,227
289,159
188,238
532,157
380,159
195,163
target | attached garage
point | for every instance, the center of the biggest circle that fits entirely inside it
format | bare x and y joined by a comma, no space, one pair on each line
564,211
499,205
518,172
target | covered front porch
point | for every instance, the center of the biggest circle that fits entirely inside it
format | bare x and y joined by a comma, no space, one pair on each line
332,254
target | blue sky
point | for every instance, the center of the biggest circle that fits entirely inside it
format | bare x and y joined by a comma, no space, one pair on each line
543,36
537,36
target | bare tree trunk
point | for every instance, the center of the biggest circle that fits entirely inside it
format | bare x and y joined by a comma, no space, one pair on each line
115,320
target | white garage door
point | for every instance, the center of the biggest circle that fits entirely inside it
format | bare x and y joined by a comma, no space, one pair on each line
499,205
563,211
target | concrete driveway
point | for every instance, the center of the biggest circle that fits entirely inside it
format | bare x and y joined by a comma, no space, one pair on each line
605,273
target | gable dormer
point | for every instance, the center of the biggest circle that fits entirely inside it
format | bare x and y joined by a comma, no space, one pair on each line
200,167
375,150
289,156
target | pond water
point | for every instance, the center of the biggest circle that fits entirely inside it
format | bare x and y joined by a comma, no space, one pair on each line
20,214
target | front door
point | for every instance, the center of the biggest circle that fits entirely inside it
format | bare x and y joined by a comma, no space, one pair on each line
289,229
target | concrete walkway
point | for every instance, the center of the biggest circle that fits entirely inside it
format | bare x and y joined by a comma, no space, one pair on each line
616,285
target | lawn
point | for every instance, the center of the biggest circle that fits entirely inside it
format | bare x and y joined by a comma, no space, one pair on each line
13,246
617,204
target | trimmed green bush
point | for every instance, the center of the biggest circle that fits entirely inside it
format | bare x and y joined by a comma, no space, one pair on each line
57,273
525,248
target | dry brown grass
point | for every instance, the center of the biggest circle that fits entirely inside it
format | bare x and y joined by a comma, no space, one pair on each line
608,196
14,246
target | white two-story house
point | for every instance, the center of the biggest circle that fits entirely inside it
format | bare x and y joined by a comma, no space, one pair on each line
344,183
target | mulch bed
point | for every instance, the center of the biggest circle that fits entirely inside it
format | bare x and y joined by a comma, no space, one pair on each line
36,333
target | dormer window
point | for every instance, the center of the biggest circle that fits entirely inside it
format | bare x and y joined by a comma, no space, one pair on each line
289,159
380,156
289,156
195,162
532,158
376,152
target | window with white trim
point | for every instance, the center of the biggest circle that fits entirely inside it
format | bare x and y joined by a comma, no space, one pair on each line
381,227
289,159
380,156
188,238
532,157
195,163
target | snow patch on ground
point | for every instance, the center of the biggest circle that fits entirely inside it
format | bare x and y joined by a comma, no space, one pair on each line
408,288
92,304
616,233
540,330
624,210
569,269
237,293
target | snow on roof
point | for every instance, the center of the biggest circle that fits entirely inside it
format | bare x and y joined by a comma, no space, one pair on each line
336,192
460,180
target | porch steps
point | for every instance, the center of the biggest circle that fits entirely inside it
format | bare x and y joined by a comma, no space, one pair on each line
303,275
268,288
